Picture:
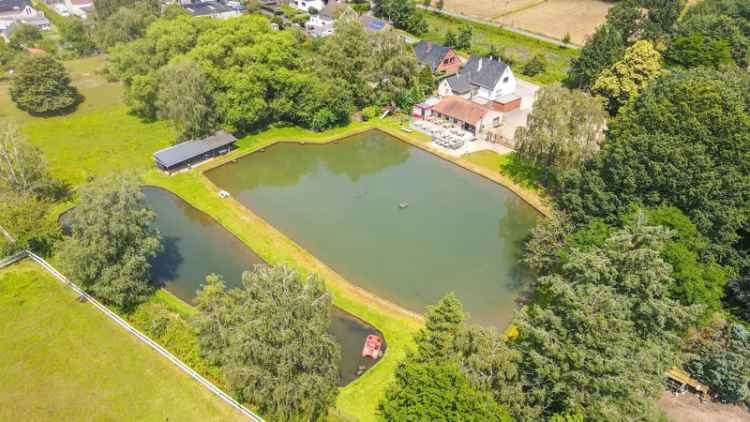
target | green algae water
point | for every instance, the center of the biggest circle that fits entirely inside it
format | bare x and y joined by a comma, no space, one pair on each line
195,246
392,219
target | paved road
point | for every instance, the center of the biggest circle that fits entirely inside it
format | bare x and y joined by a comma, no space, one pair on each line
507,28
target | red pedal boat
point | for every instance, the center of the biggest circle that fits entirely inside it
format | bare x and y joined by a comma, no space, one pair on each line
373,347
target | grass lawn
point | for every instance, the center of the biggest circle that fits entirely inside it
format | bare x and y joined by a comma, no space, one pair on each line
64,360
521,47
99,137
510,165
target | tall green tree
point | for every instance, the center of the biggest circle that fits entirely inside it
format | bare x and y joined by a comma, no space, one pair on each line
437,391
627,18
722,361
626,79
107,8
348,54
683,142
112,240
270,337
26,218
42,85
23,168
603,330
563,131
403,13
184,97
25,36
124,25
601,51
76,35
451,374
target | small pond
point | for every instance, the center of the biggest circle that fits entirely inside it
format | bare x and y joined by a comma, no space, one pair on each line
393,219
195,245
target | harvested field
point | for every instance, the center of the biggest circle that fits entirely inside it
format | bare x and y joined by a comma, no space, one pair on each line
553,18
489,9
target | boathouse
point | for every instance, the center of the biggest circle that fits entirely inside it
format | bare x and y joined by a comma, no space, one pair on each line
188,153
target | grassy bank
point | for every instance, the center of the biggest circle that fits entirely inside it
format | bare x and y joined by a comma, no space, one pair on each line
64,360
516,45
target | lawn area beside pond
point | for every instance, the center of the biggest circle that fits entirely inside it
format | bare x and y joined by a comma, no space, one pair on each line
61,359
99,137
519,46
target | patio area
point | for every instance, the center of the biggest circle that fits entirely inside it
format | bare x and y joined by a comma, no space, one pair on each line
450,139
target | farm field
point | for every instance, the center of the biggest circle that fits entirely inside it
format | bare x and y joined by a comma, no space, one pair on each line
553,18
61,359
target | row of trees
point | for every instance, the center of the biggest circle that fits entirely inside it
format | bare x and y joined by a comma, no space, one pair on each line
712,34
242,75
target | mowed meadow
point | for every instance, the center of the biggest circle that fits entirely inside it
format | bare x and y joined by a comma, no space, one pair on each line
99,136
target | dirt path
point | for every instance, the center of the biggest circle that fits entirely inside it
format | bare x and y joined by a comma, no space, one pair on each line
687,408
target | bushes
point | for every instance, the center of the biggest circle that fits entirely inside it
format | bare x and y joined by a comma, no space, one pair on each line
535,66
723,363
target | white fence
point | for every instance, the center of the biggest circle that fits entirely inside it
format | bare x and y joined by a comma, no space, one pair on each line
124,324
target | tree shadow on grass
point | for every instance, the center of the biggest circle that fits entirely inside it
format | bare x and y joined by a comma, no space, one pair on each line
522,172
79,99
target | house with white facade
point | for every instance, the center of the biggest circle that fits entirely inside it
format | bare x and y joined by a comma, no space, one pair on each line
16,12
323,24
484,80
306,5
81,8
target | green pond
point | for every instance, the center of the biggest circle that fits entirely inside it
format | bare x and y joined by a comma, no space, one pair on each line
393,219
195,245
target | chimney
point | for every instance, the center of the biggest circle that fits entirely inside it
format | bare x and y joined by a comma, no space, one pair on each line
429,46
479,67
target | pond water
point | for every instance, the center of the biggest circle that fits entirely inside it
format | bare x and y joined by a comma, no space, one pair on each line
393,219
195,246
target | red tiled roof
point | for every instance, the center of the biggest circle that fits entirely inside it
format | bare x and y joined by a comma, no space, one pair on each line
462,109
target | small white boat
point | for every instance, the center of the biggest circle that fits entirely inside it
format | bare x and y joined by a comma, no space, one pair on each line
223,194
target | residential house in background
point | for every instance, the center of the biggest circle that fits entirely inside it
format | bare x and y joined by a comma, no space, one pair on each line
306,5
16,12
484,80
81,8
439,58
211,9
323,23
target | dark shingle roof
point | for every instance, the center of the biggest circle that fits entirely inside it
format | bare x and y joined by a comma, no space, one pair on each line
484,71
7,6
460,84
208,8
172,156
430,54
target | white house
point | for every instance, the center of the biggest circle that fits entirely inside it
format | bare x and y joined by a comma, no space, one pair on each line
15,12
306,5
484,80
80,8
323,24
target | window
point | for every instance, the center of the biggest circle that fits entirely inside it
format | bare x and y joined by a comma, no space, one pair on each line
505,80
